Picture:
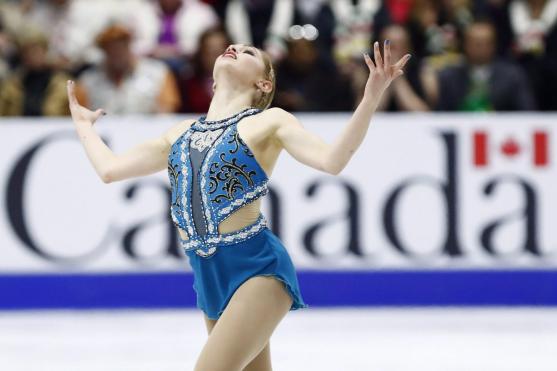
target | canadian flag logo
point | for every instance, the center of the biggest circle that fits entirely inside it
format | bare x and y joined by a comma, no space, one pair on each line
485,148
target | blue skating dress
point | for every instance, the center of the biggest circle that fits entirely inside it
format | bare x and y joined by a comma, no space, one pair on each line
212,174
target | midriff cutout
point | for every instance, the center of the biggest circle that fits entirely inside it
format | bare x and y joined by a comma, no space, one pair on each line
239,219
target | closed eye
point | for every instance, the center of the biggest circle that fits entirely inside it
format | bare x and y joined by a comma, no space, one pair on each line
249,52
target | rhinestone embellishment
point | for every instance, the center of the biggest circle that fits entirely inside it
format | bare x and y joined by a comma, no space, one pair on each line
246,198
202,124
203,139
227,168
224,239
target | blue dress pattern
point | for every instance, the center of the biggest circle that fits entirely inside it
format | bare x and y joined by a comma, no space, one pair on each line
212,174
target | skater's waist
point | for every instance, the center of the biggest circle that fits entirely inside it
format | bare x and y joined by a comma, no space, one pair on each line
205,245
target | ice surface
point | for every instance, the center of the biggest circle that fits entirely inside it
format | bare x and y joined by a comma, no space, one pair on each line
432,339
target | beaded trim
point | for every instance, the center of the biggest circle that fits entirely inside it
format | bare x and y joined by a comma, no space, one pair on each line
223,239
213,125
185,207
206,254
205,134
180,187
246,198
241,235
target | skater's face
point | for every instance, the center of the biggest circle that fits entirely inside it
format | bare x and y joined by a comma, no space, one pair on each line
250,67
244,60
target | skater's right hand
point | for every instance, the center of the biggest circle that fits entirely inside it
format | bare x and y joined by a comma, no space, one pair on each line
382,72
80,114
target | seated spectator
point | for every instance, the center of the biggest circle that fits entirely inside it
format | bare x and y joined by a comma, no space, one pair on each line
347,29
6,50
72,26
482,83
58,19
263,24
125,83
354,26
497,12
178,24
34,89
534,24
435,27
196,84
534,27
416,90
305,82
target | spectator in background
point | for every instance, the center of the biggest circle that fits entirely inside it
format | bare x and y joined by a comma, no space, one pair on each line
482,83
176,27
353,33
196,85
416,90
306,82
53,17
34,89
67,35
7,50
261,23
497,11
534,26
435,27
346,30
399,10
125,83
72,25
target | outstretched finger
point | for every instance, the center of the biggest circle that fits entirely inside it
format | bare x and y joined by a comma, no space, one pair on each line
402,62
387,53
377,56
369,62
71,92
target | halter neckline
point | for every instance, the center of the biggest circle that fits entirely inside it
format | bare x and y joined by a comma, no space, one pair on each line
202,123
204,117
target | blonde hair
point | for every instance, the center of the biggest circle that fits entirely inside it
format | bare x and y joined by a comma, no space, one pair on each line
263,100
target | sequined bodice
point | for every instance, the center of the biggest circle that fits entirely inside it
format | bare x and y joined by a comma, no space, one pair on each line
212,174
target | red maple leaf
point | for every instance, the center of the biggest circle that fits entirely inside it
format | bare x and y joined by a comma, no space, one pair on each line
510,147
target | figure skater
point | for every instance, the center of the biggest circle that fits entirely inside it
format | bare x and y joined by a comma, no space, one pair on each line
219,166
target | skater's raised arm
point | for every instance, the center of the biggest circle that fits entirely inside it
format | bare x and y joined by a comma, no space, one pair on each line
311,150
146,158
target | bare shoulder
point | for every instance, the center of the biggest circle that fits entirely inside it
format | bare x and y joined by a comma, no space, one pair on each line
176,130
278,118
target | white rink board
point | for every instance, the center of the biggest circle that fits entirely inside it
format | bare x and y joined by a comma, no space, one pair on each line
53,202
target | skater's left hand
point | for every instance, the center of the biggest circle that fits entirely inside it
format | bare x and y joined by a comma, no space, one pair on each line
382,73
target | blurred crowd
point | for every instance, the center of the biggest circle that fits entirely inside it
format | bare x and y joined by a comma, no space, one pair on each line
157,56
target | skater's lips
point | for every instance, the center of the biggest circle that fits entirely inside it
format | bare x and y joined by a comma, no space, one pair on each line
229,54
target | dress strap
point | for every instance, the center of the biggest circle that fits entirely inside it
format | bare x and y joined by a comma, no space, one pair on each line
202,124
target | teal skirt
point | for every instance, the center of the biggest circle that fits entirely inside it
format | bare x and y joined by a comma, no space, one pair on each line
218,276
